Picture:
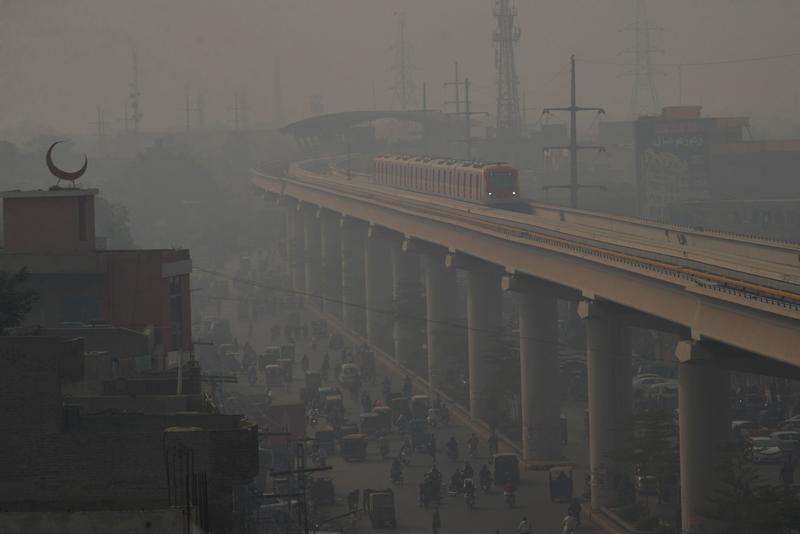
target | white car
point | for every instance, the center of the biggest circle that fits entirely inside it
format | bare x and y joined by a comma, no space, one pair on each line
788,440
761,449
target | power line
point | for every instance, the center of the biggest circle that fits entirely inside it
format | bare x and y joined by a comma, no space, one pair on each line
732,61
383,311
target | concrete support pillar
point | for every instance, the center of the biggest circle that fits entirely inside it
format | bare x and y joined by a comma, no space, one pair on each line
440,291
538,360
313,255
379,290
354,235
608,359
407,295
704,411
331,263
484,322
297,257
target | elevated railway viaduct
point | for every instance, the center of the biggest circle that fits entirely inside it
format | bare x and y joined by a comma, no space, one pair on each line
734,301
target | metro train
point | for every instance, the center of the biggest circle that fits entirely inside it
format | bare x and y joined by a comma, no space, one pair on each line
489,184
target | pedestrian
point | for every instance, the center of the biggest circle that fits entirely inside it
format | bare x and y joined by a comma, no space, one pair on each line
524,526
432,447
437,521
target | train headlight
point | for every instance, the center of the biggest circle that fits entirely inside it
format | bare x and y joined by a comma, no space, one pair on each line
514,193
490,193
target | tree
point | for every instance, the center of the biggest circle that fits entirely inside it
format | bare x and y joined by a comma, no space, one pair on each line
15,299
746,504
112,223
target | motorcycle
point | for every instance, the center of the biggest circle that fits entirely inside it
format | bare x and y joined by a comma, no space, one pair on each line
452,453
397,479
510,498
486,484
469,498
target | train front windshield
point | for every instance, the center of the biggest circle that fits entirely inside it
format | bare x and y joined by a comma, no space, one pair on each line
503,183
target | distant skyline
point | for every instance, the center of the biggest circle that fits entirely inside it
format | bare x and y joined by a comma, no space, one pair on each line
62,59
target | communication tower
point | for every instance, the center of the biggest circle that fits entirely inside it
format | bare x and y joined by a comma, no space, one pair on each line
404,88
644,96
506,38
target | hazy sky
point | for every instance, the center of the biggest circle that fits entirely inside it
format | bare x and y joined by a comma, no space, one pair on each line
61,59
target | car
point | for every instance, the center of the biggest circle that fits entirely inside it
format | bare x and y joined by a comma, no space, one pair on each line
788,440
743,428
761,449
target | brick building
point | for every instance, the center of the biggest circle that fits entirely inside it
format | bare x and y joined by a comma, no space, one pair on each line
52,234
62,456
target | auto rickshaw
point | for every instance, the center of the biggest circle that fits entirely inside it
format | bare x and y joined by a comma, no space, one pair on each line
399,406
381,509
384,414
506,469
561,483
419,406
334,406
326,439
354,447
287,351
313,380
275,376
418,430
347,428
287,365
327,391
370,424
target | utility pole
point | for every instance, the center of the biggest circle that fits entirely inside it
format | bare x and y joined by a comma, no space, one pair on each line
236,112
425,118
573,147
642,68
188,114
100,124
134,96
506,37
300,471
457,84
277,96
467,115
200,113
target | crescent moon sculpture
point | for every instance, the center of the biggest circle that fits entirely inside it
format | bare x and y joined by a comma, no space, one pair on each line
60,173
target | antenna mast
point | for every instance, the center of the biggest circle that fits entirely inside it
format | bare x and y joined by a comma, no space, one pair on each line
404,89
644,96
506,37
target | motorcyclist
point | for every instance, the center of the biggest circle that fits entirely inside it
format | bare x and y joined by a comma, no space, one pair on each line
304,363
396,471
508,493
574,510
469,491
524,527
457,481
485,477
569,524
452,448
407,387
383,446
492,442
472,443
468,472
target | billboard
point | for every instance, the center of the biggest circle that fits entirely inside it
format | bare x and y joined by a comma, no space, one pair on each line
671,163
